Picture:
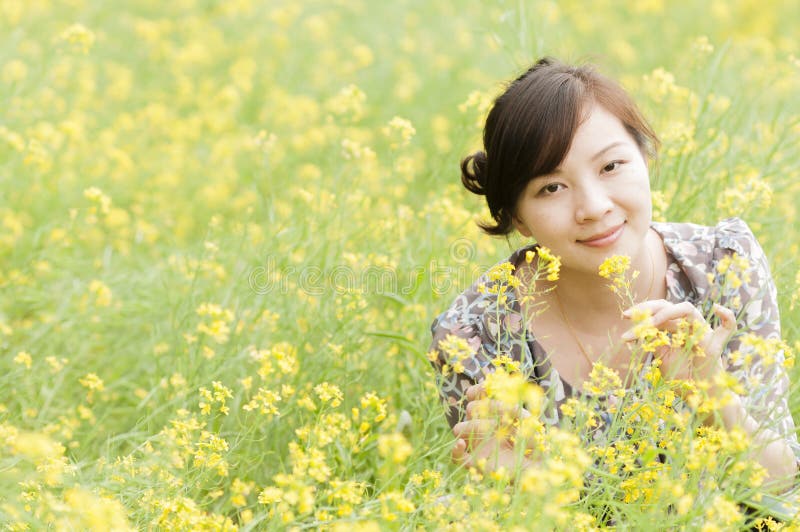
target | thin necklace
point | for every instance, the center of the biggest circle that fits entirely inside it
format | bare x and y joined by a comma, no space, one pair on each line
569,325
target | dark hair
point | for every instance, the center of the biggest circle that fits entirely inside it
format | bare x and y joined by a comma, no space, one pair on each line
530,127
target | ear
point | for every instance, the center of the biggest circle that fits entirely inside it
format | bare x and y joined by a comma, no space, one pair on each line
520,226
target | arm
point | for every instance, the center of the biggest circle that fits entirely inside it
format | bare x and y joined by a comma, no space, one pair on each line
478,330
754,356
745,366
455,353
769,448
482,325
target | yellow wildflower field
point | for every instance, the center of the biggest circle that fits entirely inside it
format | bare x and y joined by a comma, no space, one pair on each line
226,227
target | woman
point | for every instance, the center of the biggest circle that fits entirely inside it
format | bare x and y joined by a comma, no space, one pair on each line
565,163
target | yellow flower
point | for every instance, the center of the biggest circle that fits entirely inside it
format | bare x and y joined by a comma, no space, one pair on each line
92,382
328,392
264,401
604,380
614,267
400,131
512,389
395,447
24,359
101,292
348,102
457,350
650,337
219,395
479,103
552,263
79,37
96,195
14,71
56,364
529,255
218,327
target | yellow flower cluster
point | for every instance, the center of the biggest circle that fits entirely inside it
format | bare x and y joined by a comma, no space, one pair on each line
282,358
550,262
218,325
514,390
456,350
394,447
218,395
93,384
614,269
604,381
48,492
561,474
79,37
101,292
768,351
23,358
749,190
265,401
400,132
501,281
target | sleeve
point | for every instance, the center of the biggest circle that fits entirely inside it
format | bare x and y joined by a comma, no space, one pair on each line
454,347
755,355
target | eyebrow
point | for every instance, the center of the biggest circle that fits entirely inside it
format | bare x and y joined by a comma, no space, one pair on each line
609,147
594,157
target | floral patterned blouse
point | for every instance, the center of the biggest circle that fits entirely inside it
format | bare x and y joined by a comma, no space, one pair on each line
693,251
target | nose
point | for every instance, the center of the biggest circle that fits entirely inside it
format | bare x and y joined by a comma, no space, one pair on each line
592,201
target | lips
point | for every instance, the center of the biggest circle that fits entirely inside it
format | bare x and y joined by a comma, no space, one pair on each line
605,238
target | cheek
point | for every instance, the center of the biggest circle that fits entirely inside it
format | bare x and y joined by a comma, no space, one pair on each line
636,186
638,200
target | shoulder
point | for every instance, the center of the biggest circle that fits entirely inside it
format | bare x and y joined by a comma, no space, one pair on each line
486,317
493,290
701,256
700,244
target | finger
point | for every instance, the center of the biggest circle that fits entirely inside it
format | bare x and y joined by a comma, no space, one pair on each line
715,342
476,391
667,326
459,452
652,305
676,312
461,456
494,409
727,319
672,362
474,431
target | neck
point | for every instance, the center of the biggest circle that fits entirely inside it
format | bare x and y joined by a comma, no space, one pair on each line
582,293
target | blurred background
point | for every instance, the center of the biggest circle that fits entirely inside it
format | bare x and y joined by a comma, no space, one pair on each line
257,199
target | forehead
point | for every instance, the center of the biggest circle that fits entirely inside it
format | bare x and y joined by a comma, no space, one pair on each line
599,127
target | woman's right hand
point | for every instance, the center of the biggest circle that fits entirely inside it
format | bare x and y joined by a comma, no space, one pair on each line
484,439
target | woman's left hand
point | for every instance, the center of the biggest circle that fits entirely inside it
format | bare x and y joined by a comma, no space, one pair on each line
704,361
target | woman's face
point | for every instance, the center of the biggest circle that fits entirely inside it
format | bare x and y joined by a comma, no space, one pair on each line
596,203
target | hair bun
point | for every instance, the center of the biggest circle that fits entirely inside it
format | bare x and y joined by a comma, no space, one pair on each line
473,172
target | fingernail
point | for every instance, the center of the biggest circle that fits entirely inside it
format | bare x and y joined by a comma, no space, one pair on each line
628,335
626,313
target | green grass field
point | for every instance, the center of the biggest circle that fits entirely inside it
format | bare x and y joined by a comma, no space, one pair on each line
225,229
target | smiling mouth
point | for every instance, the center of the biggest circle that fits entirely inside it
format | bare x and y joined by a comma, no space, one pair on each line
605,238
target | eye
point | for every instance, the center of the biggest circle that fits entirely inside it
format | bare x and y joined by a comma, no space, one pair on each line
613,165
550,188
